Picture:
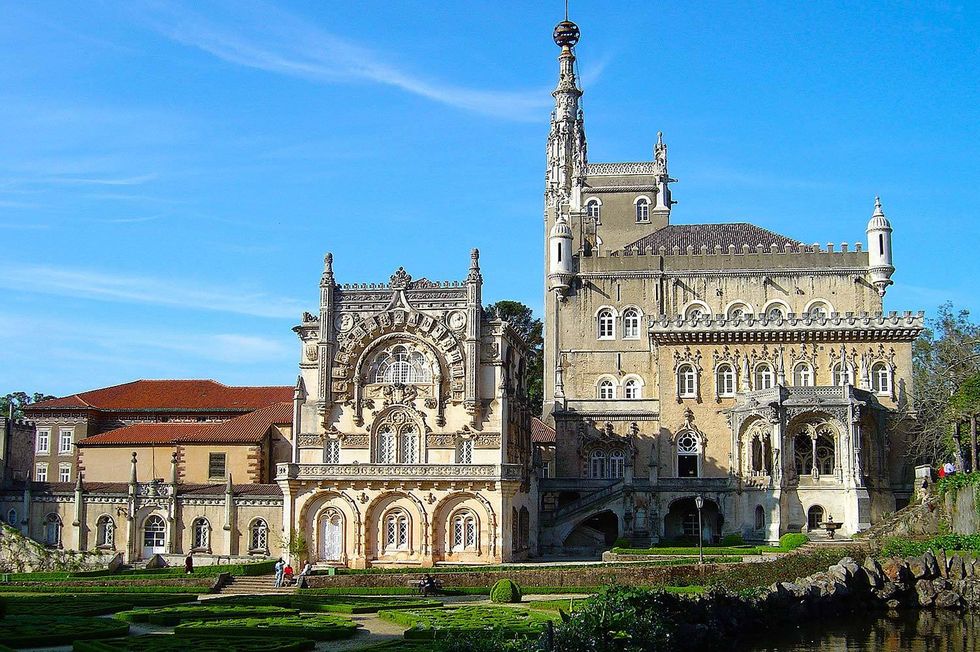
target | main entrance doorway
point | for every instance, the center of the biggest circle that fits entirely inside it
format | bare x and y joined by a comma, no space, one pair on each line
332,527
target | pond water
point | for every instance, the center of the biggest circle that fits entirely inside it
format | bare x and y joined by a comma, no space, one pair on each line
916,631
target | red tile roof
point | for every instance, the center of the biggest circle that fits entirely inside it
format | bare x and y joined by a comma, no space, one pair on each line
541,432
171,395
245,429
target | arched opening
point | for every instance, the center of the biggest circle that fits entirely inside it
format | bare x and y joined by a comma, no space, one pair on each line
201,531
258,537
332,535
465,532
154,536
802,375
631,324
52,530
725,380
814,517
688,456
760,517
687,381
105,532
681,521
593,535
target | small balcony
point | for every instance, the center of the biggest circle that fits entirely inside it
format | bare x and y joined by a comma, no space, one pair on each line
464,472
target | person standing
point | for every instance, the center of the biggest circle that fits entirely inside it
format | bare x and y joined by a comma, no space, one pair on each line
189,564
280,566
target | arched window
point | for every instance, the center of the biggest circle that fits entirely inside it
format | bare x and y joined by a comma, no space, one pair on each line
631,324
597,464
881,378
617,464
52,530
593,208
465,531
607,324
524,532
814,517
764,378
760,517
687,381
776,311
631,388
400,364
818,310
464,454
105,532
842,374
607,390
739,311
202,534
826,457
696,311
387,445
642,209
802,375
725,380
12,517
258,536
409,445
688,456
397,530
154,534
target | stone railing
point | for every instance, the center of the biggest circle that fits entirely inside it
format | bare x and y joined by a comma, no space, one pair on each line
398,471
617,169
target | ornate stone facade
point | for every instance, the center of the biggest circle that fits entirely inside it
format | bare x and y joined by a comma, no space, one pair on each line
415,432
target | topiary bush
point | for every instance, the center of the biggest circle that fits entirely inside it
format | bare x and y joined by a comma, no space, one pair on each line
792,540
320,627
468,620
169,616
622,542
505,591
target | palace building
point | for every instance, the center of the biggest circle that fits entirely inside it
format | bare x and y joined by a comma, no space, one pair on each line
722,362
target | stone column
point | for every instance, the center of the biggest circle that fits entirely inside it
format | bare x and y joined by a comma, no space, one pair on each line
229,526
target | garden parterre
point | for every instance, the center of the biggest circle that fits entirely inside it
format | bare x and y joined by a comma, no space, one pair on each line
318,627
437,623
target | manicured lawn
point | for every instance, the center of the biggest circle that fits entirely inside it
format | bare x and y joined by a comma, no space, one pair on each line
170,616
572,604
432,623
320,627
40,631
169,643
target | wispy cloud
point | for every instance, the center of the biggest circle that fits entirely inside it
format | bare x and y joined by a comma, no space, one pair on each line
131,220
103,286
80,181
269,39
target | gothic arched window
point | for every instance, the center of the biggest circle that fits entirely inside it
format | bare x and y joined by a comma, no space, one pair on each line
400,364
105,532
818,310
597,464
397,530
725,380
258,536
52,530
617,464
842,374
802,375
466,531
760,517
631,324
397,439
642,209
202,534
593,209
881,378
688,456
764,378
687,381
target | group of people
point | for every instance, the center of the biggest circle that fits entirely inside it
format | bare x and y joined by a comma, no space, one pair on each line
285,574
428,585
947,469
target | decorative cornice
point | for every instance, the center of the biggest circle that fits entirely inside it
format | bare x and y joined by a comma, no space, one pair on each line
625,168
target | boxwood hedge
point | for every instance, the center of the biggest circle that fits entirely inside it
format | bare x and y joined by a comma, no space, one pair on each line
170,643
438,623
40,631
319,627
88,604
170,616
329,603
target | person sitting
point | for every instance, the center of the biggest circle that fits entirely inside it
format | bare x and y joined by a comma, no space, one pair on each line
427,585
303,574
287,575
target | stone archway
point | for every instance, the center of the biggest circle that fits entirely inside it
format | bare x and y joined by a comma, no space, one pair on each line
681,520
594,534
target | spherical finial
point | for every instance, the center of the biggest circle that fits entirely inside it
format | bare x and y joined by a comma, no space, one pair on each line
566,33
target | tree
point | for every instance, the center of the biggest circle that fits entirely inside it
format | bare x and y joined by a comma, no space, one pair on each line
522,320
18,400
945,360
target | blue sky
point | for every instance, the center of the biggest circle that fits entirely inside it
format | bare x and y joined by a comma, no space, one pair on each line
171,174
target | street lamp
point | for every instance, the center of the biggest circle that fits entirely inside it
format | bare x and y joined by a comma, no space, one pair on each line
699,503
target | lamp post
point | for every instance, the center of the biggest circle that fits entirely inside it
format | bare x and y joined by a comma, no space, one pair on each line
699,503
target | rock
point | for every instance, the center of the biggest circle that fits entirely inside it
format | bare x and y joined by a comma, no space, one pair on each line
969,590
957,569
896,570
943,562
970,568
932,564
872,570
925,593
849,565
839,573
887,591
947,600
919,568
941,584
792,589
893,604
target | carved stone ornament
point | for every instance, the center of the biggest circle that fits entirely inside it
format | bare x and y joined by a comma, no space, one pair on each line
399,394
457,320
344,322
312,352
687,356
401,279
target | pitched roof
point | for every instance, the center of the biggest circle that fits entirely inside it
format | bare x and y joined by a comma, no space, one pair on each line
541,432
171,395
709,235
245,429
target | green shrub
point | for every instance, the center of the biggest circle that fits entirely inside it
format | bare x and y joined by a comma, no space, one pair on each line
88,604
622,542
739,577
346,604
319,627
100,588
734,539
43,631
170,616
170,643
505,591
792,541
913,548
439,623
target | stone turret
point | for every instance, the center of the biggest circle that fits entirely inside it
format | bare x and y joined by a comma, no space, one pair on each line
880,249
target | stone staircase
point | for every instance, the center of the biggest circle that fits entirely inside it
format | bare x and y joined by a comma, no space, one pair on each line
587,503
246,585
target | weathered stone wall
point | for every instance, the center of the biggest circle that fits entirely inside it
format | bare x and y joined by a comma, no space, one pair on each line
961,507
19,554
